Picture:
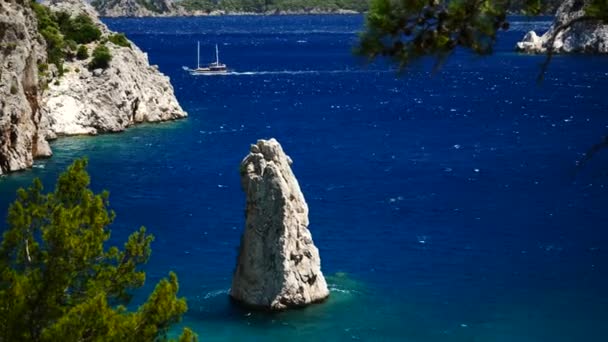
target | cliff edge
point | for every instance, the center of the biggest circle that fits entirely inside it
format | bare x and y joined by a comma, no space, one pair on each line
21,51
87,100
45,91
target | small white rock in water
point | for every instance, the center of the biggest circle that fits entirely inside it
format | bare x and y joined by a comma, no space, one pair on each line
584,36
278,266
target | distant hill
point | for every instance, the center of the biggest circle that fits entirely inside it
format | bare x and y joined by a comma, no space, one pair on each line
144,8
270,6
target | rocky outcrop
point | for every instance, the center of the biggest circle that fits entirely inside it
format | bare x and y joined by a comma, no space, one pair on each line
135,8
20,52
130,91
81,101
582,36
278,266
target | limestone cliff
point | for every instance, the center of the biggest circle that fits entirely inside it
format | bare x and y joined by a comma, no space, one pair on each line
130,91
278,266
82,101
20,52
584,36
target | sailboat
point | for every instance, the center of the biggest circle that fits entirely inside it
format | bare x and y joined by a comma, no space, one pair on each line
212,68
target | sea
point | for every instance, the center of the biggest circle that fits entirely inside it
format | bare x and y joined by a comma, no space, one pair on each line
464,203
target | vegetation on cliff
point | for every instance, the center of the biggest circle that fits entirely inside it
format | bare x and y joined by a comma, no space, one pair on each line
101,57
62,32
60,282
66,37
119,39
82,53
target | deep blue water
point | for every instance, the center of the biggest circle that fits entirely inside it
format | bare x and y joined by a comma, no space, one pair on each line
446,207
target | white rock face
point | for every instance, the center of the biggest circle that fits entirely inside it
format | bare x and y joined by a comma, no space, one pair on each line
87,101
135,8
531,43
80,102
587,37
278,266
20,51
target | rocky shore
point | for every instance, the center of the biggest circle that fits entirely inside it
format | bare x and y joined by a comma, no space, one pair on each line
573,33
38,106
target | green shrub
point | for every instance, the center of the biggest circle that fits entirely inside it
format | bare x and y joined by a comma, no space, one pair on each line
49,29
70,50
60,69
101,57
120,40
54,45
81,29
43,67
13,90
44,16
62,33
82,53
71,45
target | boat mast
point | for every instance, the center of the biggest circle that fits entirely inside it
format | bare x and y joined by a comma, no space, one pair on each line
217,55
198,55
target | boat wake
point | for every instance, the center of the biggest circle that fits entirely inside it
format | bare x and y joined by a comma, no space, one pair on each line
284,72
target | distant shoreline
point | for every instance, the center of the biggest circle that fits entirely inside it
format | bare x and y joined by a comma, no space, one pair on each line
185,14
223,13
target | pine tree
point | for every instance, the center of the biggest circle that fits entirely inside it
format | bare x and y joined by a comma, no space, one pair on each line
58,280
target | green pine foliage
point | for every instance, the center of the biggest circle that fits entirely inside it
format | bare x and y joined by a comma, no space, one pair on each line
59,281
101,57
408,30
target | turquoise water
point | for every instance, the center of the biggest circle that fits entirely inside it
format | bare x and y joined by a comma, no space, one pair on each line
446,207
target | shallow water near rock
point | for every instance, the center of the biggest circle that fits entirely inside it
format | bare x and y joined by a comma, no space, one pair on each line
445,208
